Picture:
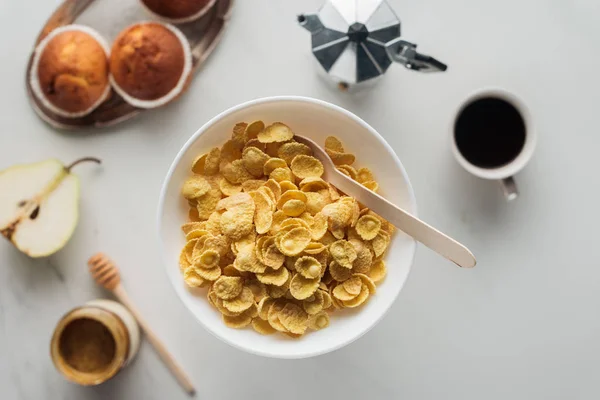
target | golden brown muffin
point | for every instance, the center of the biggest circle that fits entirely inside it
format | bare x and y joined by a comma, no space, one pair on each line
149,63
70,71
177,9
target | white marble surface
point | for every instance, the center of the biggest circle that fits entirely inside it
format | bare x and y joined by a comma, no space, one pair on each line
523,325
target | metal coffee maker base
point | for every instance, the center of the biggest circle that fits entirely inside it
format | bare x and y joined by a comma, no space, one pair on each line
356,42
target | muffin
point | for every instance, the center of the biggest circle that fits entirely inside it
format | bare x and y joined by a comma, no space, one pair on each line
69,74
178,11
149,64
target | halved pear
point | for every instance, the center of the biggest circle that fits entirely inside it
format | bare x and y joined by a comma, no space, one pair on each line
39,206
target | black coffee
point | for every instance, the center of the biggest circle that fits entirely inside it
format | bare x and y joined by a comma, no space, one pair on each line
490,132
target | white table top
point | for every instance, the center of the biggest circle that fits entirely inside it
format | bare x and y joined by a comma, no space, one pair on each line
523,324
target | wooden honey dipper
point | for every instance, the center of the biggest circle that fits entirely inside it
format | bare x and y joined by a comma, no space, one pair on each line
106,274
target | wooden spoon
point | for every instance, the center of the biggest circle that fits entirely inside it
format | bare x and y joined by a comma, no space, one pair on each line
401,219
106,274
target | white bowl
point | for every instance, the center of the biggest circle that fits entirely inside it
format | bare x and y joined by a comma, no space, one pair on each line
315,119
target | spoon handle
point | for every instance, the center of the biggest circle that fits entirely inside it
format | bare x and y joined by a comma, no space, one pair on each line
408,223
158,345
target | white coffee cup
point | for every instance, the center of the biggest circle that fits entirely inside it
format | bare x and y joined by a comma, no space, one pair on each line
504,173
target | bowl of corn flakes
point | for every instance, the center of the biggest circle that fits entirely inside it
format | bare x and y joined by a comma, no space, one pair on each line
267,255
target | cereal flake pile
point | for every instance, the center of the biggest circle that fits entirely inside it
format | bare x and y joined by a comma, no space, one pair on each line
278,247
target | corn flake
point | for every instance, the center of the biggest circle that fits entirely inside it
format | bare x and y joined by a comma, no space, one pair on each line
293,318
230,151
304,166
192,279
367,282
263,216
272,257
235,172
287,185
275,188
253,129
364,258
228,287
371,185
343,252
191,226
281,174
315,202
380,243
195,187
263,327
276,277
259,290
219,243
255,143
318,321
248,262
241,302
198,164
195,234
314,304
211,163
368,227
338,272
340,293
207,203
364,175
288,151
273,148
254,161
272,164
252,184
276,292
358,300
293,242
239,132
207,260
278,218
236,222
276,132
378,271
308,267
334,144
290,223
353,285
237,322
273,315
213,224
244,244
218,303
293,208
230,270
315,248
313,184
319,227
326,299
341,158
348,170
302,288
209,274
184,263
291,195
263,307
228,188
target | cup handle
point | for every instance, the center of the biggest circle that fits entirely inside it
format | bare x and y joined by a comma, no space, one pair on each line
509,188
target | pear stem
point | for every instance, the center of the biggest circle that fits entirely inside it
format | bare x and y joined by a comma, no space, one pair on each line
84,159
